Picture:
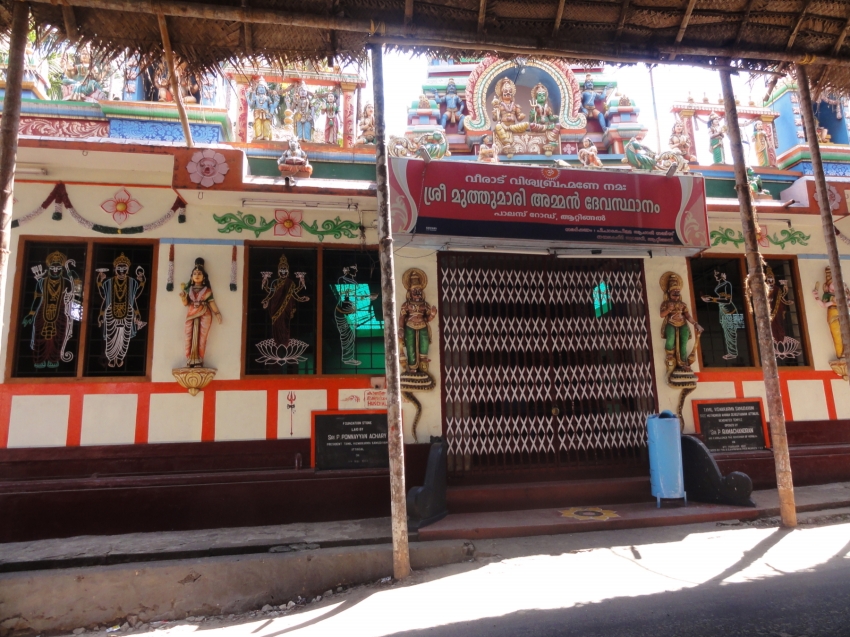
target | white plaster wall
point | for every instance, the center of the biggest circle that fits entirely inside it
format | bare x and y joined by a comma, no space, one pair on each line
756,389
841,393
240,415
39,421
808,400
176,417
109,419
298,423
430,422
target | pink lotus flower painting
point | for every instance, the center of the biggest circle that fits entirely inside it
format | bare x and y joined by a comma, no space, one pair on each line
287,222
121,206
207,168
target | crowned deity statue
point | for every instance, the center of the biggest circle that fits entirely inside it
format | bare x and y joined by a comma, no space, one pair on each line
730,319
80,78
676,328
119,309
506,112
263,103
680,141
57,303
367,125
541,118
331,112
304,113
454,106
293,162
829,302
197,296
486,152
588,102
588,155
762,144
716,133
348,298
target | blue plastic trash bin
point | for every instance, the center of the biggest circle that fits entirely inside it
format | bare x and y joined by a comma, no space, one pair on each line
665,456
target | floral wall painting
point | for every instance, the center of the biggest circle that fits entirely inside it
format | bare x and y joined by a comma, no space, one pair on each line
119,315
207,168
414,325
197,296
121,206
287,222
283,293
827,300
730,319
56,306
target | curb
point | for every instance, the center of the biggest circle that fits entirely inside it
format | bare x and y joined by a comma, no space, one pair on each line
64,599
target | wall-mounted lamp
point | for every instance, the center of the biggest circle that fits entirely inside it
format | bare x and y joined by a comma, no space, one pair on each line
320,205
30,170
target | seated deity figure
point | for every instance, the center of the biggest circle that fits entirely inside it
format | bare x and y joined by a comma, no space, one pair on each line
680,141
80,78
293,162
588,155
367,125
486,152
541,118
588,102
454,107
507,113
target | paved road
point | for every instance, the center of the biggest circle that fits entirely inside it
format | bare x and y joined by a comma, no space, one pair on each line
677,581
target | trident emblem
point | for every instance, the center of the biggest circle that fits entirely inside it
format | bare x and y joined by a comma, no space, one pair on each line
290,398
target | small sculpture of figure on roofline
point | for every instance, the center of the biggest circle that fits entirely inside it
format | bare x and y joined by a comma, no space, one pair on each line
293,162
454,107
588,155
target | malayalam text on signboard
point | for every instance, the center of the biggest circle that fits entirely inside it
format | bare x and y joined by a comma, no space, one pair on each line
731,425
532,202
350,440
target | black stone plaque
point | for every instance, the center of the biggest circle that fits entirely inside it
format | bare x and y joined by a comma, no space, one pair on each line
350,440
736,425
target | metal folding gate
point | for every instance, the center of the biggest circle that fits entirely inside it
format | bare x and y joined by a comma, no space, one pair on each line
546,362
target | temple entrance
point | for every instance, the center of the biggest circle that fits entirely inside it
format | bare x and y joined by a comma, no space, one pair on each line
546,365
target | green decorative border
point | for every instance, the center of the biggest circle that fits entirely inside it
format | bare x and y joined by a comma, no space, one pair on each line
725,236
238,221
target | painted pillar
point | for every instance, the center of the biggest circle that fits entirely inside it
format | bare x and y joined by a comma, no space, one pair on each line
688,120
349,115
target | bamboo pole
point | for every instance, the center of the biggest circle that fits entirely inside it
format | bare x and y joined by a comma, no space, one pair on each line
172,71
823,203
9,137
447,37
761,309
401,553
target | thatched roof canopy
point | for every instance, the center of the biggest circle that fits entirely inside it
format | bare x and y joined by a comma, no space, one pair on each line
755,34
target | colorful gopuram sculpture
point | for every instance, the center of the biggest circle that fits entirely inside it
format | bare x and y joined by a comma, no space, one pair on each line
588,155
680,141
293,162
589,96
263,104
454,107
367,125
507,114
331,112
716,133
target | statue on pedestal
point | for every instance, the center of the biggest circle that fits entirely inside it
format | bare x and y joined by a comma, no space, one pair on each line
588,155
197,296
415,335
506,113
486,152
680,141
293,162
676,332
331,111
367,125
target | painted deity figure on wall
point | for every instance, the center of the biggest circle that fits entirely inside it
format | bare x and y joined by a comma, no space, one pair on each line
716,133
57,303
588,155
762,145
331,111
454,107
197,296
367,125
676,328
119,310
506,112
304,113
828,301
680,141
263,103
345,312
730,320
283,293
588,102
541,118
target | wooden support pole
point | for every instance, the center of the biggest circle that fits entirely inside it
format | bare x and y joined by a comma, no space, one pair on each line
401,552
70,20
823,203
758,291
9,137
558,16
175,87
482,15
689,11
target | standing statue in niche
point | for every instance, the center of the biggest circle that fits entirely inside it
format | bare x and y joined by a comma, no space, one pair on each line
716,133
367,125
588,101
119,310
762,145
331,111
197,296
415,335
506,113
676,332
730,320
454,107
304,113
345,312
784,346
282,296
57,303
828,301
263,104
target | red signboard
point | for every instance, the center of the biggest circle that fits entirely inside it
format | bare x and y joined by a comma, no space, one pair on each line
530,202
